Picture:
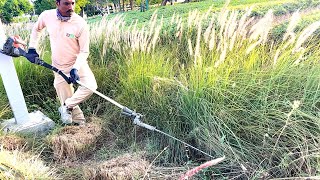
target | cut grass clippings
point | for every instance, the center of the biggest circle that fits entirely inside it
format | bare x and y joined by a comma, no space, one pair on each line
13,142
72,141
127,166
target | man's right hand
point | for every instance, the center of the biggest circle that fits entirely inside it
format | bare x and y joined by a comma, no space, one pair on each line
32,55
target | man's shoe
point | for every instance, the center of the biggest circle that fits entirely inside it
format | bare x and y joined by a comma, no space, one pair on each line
77,116
65,113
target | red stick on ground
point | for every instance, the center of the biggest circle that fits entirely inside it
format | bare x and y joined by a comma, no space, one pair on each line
195,170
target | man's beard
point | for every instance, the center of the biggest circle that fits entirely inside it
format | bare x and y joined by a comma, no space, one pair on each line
70,12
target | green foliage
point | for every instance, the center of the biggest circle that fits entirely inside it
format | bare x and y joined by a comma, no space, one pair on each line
80,4
42,5
14,8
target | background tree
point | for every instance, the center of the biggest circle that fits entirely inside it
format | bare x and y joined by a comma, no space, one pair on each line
14,8
80,4
42,5
1,8
95,7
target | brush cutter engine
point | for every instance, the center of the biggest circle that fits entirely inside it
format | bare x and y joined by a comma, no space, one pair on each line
14,47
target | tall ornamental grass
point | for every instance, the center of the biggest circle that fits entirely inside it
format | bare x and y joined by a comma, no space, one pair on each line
220,83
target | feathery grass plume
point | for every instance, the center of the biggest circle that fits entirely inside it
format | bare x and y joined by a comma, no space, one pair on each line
197,49
243,31
136,39
275,58
190,47
252,46
153,22
142,39
222,23
243,23
152,30
172,18
232,41
222,56
197,19
223,16
207,32
179,25
181,31
133,44
156,34
306,33
231,24
260,30
229,31
262,27
212,39
177,19
294,20
191,17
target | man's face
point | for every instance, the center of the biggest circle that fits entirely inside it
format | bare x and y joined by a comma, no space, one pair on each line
66,7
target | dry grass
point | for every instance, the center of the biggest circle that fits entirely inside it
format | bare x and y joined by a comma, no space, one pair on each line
12,142
127,166
72,141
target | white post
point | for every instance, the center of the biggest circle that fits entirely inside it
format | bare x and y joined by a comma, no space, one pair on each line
11,83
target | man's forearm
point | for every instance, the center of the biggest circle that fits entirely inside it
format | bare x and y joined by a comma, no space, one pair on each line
81,59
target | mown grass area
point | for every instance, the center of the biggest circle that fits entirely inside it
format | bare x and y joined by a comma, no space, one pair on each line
219,81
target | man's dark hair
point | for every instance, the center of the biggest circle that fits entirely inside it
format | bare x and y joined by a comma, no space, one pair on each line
58,1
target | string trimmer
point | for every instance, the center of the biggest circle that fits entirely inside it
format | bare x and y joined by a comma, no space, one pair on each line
11,48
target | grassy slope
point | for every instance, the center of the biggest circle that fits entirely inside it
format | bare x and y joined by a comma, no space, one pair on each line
280,6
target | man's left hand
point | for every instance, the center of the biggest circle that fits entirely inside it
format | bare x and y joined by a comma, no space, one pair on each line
74,76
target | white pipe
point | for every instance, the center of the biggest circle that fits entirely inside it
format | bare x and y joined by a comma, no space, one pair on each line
12,85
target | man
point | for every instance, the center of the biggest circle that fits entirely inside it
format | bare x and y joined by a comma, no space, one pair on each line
69,41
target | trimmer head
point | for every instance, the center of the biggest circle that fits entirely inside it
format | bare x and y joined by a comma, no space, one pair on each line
13,47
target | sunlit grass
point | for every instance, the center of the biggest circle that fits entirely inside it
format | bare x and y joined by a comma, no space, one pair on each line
19,165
